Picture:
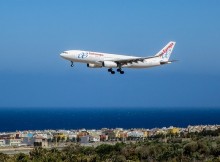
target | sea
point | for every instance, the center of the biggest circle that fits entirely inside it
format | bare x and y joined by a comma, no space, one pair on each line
20,119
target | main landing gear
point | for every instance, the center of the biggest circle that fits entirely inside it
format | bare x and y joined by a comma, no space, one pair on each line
118,70
111,71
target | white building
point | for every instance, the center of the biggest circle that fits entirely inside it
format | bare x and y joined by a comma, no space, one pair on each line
135,134
2,142
13,142
85,139
94,138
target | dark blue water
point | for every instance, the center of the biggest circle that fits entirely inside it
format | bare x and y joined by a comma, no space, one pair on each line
12,119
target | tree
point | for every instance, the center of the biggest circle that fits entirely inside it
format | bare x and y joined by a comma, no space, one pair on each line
118,158
71,153
67,139
190,148
58,139
104,150
216,151
142,152
62,139
38,153
118,146
3,157
21,157
88,150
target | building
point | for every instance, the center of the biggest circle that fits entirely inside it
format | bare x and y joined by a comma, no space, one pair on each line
13,142
135,134
211,128
197,128
60,136
110,134
29,141
145,133
81,134
94,138
103,137
72,136
7,136
84,139
40,141
2,142
173,130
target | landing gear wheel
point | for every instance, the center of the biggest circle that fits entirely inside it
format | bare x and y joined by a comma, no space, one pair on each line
109,70
112,72
122,72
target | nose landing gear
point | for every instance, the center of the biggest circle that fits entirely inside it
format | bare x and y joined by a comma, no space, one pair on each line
72,64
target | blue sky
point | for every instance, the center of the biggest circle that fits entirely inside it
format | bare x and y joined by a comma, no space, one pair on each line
33,33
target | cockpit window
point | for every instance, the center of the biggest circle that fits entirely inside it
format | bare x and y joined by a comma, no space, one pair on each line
65,52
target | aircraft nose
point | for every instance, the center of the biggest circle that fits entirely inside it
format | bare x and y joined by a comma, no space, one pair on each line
63,55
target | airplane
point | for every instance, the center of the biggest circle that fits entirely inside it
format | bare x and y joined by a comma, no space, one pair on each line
110,61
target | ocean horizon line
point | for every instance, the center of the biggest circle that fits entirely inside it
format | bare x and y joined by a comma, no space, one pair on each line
74,118
109,107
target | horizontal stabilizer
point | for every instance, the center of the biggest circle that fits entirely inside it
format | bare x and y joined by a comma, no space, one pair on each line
167,62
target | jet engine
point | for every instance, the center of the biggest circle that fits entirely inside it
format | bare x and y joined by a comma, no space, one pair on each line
94,66
109,64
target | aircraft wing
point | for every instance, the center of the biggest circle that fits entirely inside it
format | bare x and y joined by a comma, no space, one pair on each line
131,60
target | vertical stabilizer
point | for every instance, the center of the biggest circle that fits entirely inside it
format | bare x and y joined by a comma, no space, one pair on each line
165,53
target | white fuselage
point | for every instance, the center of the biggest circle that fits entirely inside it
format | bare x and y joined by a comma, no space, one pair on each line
97,58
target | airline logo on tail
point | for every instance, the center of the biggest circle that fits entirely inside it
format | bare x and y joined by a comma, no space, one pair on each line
165,53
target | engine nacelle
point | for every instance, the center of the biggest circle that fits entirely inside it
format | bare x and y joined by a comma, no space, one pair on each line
109,64
94,66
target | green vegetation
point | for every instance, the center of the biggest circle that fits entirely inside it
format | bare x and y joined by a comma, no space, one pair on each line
204,146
